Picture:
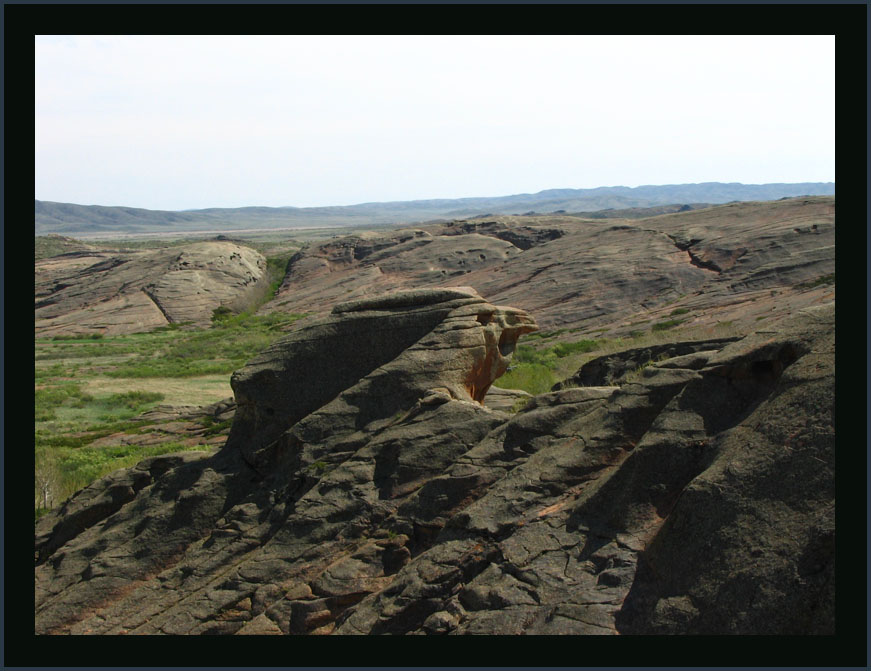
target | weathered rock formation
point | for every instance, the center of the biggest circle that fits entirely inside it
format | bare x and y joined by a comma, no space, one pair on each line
739,263
126,292
612,368
364,489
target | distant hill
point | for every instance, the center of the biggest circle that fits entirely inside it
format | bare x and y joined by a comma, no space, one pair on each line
68,218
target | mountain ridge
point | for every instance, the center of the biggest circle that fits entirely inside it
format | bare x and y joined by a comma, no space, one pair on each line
71,218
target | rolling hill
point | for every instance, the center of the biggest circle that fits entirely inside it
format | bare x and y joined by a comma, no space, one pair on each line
68,218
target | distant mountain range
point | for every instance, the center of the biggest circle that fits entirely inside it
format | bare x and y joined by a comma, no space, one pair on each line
68,218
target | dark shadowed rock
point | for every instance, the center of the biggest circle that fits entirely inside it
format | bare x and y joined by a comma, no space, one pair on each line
611,368
365,489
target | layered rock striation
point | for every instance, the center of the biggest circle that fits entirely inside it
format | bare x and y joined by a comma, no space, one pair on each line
365,489
737,263
114,293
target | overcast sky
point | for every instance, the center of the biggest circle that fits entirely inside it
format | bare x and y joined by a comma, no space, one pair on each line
183,122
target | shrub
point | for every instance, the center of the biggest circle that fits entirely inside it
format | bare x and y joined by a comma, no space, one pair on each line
671,323
67,395
564,349
527,354
131,399
534,378
519,404
79,336
221,313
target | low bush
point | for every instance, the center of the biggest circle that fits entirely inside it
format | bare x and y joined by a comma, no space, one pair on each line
564,349
534,378
68,395
133,400
670,323
79,336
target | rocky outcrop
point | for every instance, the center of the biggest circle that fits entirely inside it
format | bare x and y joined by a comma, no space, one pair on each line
392,349
740,263
127,292
365,489
612,368
358,266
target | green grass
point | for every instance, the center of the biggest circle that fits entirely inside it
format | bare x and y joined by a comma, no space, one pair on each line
68,468
80,338
69,419
227,345
668,324
534,378
536,370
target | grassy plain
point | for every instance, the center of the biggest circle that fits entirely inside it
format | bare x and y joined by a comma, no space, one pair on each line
87,389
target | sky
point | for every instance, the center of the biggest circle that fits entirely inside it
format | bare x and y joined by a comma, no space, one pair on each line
187,122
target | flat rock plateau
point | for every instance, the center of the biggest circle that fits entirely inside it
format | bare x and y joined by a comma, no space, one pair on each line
375,481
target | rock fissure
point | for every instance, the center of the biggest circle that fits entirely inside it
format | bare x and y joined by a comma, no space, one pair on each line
149,293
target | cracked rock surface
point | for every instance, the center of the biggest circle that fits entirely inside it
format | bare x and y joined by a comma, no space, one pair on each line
368,490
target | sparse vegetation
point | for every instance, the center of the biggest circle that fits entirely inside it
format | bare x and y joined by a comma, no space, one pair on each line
820,281
668,324
636,374
213,428
519,405
534,378
318,467
536,370
89,388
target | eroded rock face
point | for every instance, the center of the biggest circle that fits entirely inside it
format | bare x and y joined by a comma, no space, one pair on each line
126,292
695,499
737,263
392,349
612,368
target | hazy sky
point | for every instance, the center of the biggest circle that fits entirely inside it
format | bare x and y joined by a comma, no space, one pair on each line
182,122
